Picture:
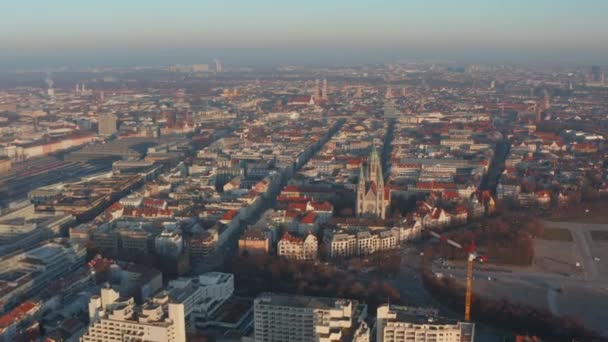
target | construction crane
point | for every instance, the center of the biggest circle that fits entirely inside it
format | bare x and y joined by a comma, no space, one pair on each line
471,256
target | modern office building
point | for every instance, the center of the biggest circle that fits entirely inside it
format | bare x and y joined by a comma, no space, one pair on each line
401,324
296,318
107,124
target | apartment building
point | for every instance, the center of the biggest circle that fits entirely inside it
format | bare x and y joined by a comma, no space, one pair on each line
116,319
300,318
364,242
296,248
401,324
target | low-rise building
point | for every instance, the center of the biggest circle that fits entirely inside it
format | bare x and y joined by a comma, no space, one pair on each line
254,242
296,248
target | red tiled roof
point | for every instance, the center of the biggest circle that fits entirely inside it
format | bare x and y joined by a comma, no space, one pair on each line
115,207
147,212
291,238
229,215
153,203
321,206
435,185
584,147
292,214
291,188
21,311
293,199
309,218
460,210
542,193
299,206
450,194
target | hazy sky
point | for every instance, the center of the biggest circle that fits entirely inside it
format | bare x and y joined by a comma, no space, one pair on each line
530,28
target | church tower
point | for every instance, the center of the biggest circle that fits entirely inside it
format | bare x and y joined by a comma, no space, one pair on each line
371,198
360,193
375,169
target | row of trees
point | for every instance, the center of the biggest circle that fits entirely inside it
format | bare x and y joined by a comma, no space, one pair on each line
517,317
506,239
256,274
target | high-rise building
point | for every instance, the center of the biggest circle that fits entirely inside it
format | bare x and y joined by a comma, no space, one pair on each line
300,318
116,319
107,124
372,198
219,67
325,92
316,93
401,324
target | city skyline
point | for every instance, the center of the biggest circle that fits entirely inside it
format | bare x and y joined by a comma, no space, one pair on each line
95,33
386,170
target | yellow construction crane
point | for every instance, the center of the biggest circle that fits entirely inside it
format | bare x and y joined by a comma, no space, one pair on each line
471,256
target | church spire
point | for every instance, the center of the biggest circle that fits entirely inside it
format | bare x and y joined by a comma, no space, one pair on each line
375,167
374,154
361,183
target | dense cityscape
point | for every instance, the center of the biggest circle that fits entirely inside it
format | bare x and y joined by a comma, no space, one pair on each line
405,201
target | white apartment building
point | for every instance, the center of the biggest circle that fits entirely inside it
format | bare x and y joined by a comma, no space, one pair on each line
363,243
116,319
343,245
132,201
202,295
296,248
293,318
401,324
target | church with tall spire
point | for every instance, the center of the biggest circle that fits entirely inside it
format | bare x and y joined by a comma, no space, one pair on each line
373,199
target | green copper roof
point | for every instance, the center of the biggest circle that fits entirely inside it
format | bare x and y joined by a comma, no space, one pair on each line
374,154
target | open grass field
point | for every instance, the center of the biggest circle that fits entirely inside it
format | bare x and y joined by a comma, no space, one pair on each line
597,218
557,234
599,235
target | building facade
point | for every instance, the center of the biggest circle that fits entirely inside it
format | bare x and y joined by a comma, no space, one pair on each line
115,319
401,324
107,124
296,248
372,198
301,319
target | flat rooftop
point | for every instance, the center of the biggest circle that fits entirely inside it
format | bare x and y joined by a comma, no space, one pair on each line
415,315
213,278
324,303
